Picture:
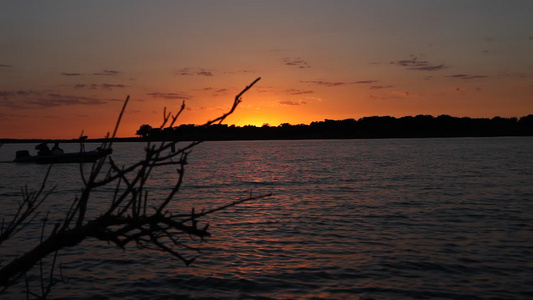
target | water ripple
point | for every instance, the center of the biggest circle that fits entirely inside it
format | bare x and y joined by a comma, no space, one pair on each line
357,219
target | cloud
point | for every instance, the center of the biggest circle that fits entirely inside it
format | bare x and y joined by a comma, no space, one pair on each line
297,92
168,95
215,91
378,87
288,102
6,66
6,93
185,72
107,73
29,99
194,72
513,75
464,91
460,90
12,104
405,94
219,90
103,86
373,97
237,72
8,116
108,86
16,99
338,83
464,76
428,68
104,73
324,83
55,100
297,62
418,65
204,73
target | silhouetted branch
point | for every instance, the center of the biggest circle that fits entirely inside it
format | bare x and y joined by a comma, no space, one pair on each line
236,102
120,118
130,215
26,211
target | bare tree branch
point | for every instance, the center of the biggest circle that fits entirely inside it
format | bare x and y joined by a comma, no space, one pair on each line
130,217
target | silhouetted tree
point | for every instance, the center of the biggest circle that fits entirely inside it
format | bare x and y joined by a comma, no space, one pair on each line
144,130
420,126
526,125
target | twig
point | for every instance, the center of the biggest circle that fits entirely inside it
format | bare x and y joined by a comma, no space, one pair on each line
127,217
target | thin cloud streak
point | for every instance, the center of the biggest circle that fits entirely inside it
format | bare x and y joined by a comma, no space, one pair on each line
104,73
107,73
194,72
338,83
378,87
464,76
55,100
297,92
168,95
215,92
27,99
103,86
292,103
413,64
297,62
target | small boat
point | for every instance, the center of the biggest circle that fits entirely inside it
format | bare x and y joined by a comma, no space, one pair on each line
23,156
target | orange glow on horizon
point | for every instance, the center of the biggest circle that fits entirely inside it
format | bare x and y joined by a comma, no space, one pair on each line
370,66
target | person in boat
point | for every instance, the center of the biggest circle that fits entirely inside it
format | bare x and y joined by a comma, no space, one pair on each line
42,149
56,150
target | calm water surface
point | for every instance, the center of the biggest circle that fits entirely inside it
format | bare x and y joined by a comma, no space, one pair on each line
349,219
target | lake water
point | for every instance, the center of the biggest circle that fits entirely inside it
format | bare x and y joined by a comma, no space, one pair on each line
349,219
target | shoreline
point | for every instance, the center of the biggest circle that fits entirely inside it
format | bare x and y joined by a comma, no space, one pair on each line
210,139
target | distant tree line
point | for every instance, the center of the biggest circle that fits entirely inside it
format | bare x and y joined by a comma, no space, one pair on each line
420,126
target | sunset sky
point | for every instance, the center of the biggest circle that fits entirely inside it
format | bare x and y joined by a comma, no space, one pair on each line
67,66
